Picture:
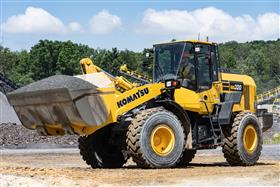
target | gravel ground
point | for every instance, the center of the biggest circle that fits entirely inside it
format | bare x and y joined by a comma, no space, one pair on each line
66,168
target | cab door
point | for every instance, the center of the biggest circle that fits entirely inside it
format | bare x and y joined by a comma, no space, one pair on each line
208,79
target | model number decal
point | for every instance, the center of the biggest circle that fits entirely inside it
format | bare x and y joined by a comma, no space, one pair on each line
236,86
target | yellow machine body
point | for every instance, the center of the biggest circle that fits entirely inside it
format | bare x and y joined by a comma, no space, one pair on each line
213,95
107,102
189,104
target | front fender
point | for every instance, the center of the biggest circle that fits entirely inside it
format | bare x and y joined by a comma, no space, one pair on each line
183,117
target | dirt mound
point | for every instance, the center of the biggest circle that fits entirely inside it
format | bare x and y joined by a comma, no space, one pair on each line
17,136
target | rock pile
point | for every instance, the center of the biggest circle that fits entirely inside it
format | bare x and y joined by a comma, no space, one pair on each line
17,136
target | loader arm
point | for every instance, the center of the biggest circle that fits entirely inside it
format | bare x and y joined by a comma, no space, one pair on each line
121,83
137,96
81,104
88,67
135,75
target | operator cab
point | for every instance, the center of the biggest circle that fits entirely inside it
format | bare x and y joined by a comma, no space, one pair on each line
194,64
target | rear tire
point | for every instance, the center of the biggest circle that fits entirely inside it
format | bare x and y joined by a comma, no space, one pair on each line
243,140
155,139
97,151
187,157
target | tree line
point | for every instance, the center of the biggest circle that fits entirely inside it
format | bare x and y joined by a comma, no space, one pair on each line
259,59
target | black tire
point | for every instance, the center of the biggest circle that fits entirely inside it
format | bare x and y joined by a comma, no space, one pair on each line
234,149
98,152
139,143
187,157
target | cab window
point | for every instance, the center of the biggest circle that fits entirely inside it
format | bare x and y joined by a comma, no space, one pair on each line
214,63
186,71
203,66
204,74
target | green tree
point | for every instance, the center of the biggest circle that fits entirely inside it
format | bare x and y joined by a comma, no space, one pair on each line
53,57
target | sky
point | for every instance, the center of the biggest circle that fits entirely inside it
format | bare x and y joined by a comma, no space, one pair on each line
135,25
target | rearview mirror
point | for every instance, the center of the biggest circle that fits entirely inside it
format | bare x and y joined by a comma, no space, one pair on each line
147,58
197,49
148,55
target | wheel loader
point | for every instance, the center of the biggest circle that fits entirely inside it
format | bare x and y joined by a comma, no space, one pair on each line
189,104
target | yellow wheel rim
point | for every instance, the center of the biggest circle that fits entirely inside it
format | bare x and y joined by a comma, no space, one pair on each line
162,140
250,138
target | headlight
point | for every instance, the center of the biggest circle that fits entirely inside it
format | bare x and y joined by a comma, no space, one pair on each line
172,84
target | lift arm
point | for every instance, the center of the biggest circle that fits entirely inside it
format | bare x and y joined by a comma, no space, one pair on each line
135,75
121,83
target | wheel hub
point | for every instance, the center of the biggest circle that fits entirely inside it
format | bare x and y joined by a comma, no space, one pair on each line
162,140
250,139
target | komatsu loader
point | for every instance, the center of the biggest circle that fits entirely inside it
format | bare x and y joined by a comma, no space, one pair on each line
189,104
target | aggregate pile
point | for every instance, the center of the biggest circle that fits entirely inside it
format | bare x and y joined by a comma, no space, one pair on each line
17,136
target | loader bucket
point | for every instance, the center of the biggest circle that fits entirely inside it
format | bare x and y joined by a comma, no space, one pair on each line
59,102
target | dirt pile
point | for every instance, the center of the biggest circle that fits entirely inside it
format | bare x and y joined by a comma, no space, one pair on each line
17,136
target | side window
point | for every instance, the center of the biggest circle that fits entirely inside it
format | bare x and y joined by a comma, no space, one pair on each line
214,63
164,61
204,73
186,71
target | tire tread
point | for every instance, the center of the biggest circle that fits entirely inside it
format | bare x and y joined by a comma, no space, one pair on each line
230,148
134,133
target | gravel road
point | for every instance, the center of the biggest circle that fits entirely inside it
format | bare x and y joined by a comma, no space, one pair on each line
64,167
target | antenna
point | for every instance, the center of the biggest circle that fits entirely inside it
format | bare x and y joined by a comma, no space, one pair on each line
207,38
198,36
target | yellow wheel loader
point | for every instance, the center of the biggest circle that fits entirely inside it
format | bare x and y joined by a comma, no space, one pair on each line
189,105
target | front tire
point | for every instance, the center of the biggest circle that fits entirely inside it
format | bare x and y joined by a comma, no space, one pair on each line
155,139
98,152
243,140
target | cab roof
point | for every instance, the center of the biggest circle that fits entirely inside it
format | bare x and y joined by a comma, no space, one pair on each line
189,41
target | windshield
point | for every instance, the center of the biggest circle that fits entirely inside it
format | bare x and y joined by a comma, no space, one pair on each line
168,58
